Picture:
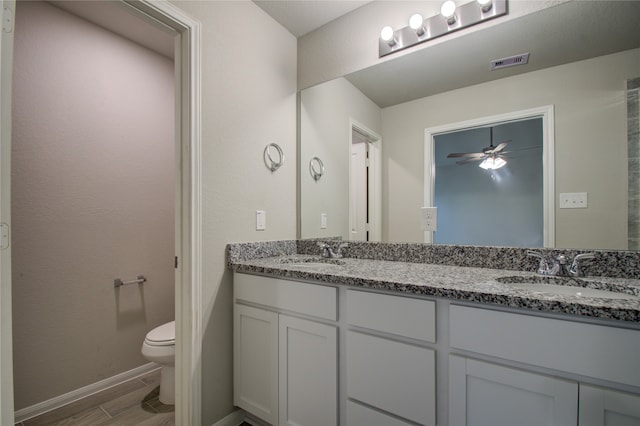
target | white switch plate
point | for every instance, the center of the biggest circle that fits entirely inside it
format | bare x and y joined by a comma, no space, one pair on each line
573,200
261,220
323,221
429,216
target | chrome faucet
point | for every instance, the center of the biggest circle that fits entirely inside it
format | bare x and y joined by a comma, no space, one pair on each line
559,266
327,251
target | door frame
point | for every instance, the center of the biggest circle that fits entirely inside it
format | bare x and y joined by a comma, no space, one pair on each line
188,275
375,178
548,160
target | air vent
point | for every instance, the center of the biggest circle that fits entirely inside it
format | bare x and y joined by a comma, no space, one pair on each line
511,61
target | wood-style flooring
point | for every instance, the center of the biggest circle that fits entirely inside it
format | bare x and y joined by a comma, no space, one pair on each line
134,402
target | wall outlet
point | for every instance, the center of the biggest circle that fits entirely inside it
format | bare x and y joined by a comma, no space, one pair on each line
573,200
323,221
429,216
261,220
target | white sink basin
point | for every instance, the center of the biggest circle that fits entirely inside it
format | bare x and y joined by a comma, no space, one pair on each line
561,286
568,290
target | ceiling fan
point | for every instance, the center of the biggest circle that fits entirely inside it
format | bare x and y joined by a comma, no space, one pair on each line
491,157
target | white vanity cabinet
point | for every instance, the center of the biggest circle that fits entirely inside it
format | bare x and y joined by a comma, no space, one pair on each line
285,351
388,367
557,357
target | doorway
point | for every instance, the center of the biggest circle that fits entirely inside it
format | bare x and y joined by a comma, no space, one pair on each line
365,196
187,273
544,220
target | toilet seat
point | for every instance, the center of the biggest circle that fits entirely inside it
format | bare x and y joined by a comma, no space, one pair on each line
163,335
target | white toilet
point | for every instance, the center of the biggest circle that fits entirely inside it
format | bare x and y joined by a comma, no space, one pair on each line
160,347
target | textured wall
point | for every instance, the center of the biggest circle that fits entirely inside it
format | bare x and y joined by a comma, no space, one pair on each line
93,199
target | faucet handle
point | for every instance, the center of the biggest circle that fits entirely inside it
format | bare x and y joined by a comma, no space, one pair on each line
543,267
325,248
575,265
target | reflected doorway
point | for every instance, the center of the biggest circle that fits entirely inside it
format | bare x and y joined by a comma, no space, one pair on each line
508,206
364,184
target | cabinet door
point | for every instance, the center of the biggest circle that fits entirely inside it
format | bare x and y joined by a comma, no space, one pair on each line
606,407
255,362
392,376
484,394
308,373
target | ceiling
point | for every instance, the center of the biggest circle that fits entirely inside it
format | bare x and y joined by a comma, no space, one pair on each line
118,18
302,17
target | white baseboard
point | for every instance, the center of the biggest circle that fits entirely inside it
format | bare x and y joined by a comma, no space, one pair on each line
78,394
234,419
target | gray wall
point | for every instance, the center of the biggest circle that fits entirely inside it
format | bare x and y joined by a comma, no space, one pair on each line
93,199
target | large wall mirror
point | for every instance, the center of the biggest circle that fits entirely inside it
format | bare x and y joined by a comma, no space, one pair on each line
581,56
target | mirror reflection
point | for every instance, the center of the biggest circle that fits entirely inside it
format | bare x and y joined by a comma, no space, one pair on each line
589,126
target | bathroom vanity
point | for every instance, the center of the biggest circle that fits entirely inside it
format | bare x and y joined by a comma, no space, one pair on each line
375,342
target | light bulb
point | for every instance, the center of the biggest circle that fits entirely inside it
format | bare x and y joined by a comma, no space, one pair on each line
387,34
448,10
485,5
416,21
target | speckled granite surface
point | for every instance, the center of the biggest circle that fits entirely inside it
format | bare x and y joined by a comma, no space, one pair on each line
454,272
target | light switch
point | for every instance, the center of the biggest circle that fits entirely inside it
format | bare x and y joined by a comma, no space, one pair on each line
323,221
573,200
261,220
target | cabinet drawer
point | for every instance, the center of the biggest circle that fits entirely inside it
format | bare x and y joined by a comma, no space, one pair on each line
404,316
309,299
360,415
395,377
591,350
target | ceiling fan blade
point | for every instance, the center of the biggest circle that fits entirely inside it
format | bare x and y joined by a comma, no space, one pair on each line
469,160
466,154
499,147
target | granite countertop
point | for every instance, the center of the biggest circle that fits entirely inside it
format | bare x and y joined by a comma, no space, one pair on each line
453,282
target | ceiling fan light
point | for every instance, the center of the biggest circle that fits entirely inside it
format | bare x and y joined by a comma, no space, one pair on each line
492,163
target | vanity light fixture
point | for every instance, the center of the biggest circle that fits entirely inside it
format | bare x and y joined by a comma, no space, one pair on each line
452,17
492,163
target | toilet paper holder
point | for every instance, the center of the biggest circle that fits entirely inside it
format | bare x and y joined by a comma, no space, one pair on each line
139,280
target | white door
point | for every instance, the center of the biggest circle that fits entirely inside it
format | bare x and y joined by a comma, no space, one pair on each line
255,362
308,373
606,407
484,394
359,189
6,353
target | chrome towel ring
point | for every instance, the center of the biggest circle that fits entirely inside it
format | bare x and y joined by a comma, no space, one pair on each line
316,168
272,164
